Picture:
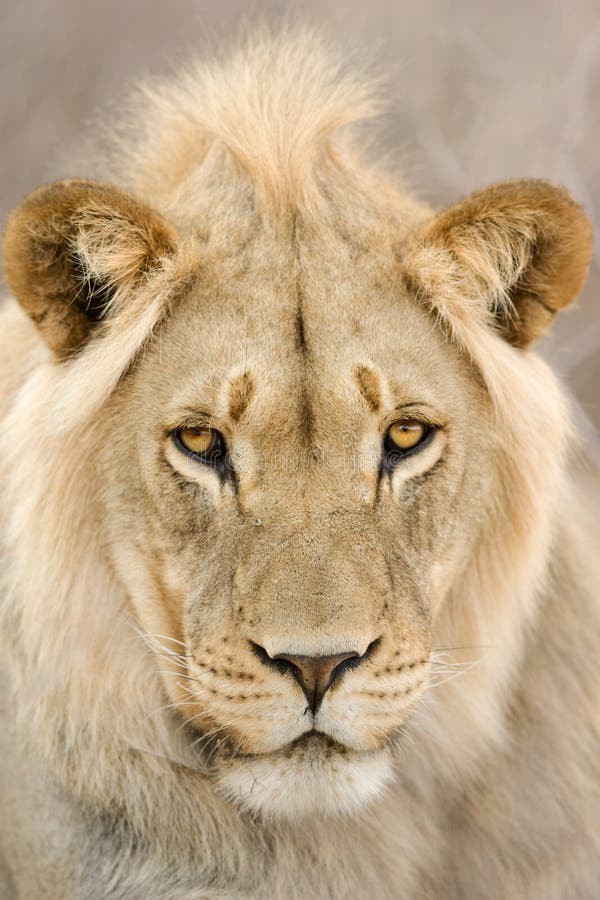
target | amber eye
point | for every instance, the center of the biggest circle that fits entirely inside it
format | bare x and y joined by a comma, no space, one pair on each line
404,436
205,443
407,433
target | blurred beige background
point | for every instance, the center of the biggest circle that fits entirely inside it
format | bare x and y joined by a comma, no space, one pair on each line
480,91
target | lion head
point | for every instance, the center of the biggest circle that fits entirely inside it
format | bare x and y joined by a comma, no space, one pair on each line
301,400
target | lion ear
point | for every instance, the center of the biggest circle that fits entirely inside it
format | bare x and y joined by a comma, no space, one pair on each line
73,251
519,250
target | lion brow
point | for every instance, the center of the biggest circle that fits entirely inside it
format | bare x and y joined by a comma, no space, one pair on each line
241,389
369,386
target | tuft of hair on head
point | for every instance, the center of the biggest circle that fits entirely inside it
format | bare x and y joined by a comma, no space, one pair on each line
280,105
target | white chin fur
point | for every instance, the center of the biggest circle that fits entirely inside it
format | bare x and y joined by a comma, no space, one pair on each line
286,787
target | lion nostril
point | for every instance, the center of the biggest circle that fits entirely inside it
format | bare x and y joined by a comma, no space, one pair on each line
314,674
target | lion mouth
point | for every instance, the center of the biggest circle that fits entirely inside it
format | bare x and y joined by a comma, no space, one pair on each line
315,742
314,775
312,745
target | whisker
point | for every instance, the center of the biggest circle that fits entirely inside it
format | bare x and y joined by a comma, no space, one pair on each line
452,665
159,649
214,750
165,651
451,677
179,675
169,706
167,637
170,659
205,738
158,755
235,753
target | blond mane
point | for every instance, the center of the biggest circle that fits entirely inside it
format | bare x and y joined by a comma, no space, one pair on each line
284,111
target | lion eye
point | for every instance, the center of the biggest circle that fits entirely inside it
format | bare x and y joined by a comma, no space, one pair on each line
404,436
205,443
407,433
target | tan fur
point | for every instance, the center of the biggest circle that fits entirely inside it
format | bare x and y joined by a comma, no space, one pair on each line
255,276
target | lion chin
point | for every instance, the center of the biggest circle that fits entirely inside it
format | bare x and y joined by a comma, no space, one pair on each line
311,776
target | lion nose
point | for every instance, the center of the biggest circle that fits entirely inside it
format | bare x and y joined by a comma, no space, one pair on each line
314,674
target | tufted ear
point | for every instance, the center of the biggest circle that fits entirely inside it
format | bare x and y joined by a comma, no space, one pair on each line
518,251
73,250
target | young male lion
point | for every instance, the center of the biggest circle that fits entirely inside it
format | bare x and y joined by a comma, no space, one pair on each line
298,585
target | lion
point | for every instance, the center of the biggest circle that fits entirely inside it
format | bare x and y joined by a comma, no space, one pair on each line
299,562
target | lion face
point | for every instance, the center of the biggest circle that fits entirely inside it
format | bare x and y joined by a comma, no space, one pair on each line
285,554
299,426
